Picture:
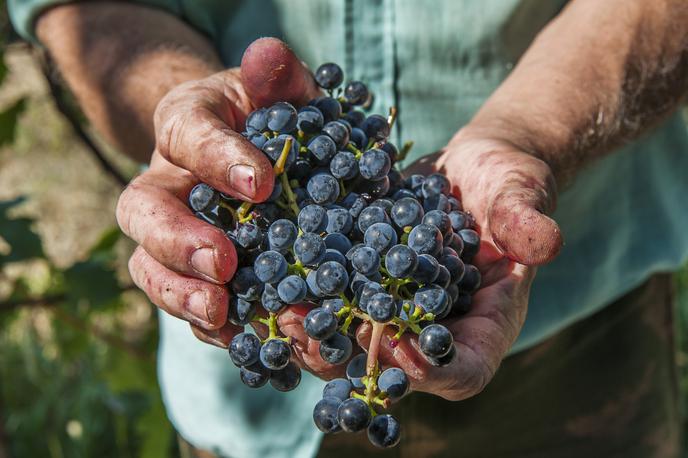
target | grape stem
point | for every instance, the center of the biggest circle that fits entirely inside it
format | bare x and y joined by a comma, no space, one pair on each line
392,116
289,194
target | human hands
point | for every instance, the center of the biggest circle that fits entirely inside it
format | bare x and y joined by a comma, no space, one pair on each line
508,192
182,263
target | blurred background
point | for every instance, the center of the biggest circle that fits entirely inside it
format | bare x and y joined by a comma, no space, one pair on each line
77,340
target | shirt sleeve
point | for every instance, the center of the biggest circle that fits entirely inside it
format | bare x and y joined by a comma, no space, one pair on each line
23,13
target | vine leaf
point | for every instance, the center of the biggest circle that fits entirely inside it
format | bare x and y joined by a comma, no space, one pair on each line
24,243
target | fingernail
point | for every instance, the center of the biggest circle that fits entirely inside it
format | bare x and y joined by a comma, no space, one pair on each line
203,262
196,304
242,178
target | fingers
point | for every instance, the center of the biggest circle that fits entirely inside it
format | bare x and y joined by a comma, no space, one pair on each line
196,301
271,72
159,221
195,129
521,229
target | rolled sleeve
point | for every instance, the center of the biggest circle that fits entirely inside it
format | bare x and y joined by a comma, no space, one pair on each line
23,14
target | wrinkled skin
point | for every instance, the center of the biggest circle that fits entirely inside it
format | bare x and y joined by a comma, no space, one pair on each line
507,191
182,263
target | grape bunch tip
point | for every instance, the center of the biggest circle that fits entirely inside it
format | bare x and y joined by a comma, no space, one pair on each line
344,232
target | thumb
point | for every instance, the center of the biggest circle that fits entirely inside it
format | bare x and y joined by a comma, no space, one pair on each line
271,72
519,226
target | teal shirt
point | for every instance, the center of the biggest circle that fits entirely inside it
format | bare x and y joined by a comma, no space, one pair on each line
623,219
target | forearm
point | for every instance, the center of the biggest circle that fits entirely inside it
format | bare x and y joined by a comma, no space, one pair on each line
600,74
120,59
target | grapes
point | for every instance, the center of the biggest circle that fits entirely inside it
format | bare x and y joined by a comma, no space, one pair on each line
394,383
270,267
435,341
353,415
336,349
325,414
281,117
320,324
286,379
244,349
384,431
275,354
344,234
329,76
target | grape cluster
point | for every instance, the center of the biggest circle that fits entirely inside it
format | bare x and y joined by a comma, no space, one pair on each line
344,232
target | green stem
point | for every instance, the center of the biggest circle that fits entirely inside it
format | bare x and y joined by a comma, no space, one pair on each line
289,194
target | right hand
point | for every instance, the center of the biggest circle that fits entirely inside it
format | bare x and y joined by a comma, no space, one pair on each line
183,263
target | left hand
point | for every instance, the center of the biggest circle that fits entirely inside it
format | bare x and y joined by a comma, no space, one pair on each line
508,192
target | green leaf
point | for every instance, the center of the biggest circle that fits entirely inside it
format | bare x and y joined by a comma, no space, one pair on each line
8,121
23,241
95,279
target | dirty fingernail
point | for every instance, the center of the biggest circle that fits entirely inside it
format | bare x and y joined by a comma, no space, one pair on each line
196,304
242,178
203,262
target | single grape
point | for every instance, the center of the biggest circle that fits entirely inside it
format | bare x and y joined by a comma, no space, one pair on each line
365,260
339,388
313,288
353,415
246,285
258,140
425,239
407,212
282,235
401,261
323,148
471,243
384,431
320,324
355,118
329,107
203,197
415,181
282,117
356,369
312,218
385,204
323,188
286,379
309,249
332,278
435,341
244,349
471,279
376,127
292,289
394,382
338,132
344,165
437,202
249,236
275,354
374,164
257,121
255,375
432,299
381,237
403,193
381,307
356,93
270,300
333,255
240,311
325,415
358,138
329,76
336,349
393,153
309,120
339,220
270,266
370,216
456,243
436,184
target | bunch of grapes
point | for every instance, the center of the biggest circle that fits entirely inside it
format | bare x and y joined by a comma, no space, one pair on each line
344,232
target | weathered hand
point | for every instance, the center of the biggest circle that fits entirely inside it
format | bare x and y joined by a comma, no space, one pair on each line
182,263
508,192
